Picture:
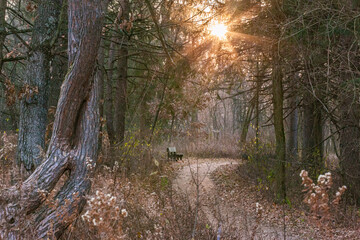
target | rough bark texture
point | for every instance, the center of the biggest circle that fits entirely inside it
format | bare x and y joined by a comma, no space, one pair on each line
34,104
24,213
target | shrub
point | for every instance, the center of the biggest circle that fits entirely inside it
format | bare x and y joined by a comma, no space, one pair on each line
317,195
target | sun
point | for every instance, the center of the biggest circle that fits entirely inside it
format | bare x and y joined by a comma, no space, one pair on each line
219,30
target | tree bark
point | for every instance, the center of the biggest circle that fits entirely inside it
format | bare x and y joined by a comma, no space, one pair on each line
293,129
312,150
109,104
349,141
278,99
2,29
73,144
120,102
99,75
246,123
34,104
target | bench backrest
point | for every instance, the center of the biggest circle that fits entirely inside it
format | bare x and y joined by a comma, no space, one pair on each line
171,149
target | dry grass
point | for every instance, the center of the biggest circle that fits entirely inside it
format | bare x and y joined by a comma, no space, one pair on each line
134,198
137,208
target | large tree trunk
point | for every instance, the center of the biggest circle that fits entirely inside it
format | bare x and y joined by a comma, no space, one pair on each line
121,83
73,146
34,104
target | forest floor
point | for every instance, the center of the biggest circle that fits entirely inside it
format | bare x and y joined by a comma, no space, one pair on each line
232,204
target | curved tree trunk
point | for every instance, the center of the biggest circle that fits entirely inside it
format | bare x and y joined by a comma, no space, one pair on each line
25,212
34,104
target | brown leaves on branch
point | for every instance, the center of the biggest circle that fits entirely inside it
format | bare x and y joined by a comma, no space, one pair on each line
28,91
10,92
126,25
30,6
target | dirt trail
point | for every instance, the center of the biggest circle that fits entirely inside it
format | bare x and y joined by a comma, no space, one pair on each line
219,209
194,181
199,172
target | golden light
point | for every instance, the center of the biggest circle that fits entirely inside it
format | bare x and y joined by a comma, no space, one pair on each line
219,30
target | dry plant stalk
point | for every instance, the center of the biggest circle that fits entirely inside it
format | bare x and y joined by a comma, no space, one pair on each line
105,215
317,196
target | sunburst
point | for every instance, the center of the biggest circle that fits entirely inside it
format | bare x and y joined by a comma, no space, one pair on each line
219,30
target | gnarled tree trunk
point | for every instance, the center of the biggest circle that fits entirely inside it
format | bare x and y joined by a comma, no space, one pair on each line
25,212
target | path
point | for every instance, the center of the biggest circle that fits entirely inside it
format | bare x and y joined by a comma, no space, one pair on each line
232,214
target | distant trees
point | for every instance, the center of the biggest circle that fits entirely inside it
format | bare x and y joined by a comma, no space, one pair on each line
326,34
313,69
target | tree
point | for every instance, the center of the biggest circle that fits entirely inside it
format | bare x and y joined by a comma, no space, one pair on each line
278,96
73,146
34,104
2,29
278,101
116,93
121,83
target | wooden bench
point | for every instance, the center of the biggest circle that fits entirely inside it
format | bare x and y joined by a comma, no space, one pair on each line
172,155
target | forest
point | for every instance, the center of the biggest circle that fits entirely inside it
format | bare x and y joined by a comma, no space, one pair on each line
179,119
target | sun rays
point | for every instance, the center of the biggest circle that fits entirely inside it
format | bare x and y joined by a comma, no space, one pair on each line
219,30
